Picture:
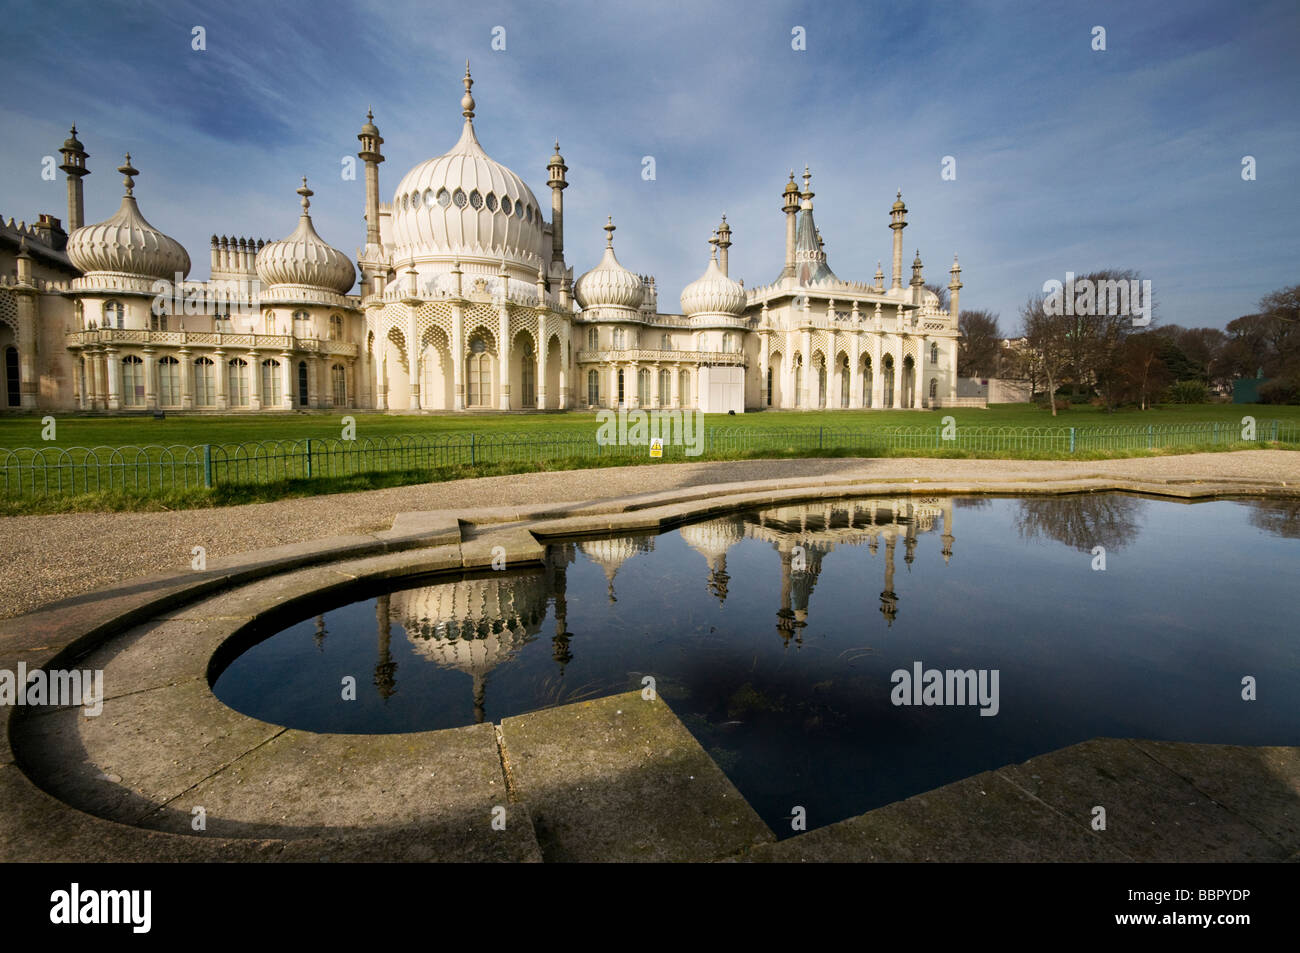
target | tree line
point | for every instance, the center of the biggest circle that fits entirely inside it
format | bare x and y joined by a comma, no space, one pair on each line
1111,360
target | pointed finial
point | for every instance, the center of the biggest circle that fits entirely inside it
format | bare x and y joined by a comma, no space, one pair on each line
74,130
467,101
306,194
129,173
609,232
557,147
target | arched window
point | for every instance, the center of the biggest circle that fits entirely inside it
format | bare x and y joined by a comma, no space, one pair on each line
934,388
528,378
268,322
304,388
769,386
619,339
665,388
934,353
272,392
866,383
301,324
846,382
336,327
728,341
798,380
132,381
643,387
158,318
621,395
339,382
593,339
593,388
237,382
205,383
665,342
480,373
169,382
114,315
821,383
887,383
684,388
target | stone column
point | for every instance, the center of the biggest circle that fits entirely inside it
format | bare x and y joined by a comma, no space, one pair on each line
764,343
878,372
654,385
541,362
564,371
458,353
222,371
150,392
254,360
286,379
921,392
632,385
114,368
187,379
503,356
313,381
675,385
805,348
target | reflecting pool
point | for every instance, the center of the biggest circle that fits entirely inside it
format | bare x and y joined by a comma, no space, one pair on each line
788,639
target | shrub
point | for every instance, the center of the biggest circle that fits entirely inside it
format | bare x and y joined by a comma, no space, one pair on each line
1189,392
1280,390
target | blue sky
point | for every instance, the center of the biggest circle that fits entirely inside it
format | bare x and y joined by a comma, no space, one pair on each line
1067,159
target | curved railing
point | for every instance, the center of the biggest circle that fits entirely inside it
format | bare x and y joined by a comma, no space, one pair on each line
52,471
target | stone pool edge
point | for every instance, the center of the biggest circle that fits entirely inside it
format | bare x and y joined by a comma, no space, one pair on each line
36,826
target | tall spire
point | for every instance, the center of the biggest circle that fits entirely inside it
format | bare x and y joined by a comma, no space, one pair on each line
467,101
306,194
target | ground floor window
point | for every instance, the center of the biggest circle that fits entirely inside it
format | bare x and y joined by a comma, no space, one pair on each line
866,384
237,382
684,386
272,392
643,387
593,388
934,388
845,383
480,374
13,393
303,390
665,388
528,380
132,382
169,382
769,387
205,394
339,380
621,396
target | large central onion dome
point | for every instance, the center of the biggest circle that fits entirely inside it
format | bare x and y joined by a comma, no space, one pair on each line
464,205
304,258
126,243
713,293
609,284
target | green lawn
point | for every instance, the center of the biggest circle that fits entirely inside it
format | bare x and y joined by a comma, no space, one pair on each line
75,431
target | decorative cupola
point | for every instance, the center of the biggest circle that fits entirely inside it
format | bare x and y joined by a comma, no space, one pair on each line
127,244
713,294
304,258
609,284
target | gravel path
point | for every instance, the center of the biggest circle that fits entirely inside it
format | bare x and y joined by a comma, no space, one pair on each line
44,558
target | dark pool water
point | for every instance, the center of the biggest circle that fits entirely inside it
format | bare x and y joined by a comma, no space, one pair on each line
775,636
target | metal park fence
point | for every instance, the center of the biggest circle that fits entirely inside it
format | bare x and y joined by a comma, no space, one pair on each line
62,471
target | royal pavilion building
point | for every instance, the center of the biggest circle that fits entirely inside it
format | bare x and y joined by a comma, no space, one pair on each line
461,299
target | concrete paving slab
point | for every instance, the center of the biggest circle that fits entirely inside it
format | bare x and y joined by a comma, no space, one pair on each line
621,779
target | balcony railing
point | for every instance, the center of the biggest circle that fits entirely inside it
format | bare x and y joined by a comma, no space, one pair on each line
652,356
221,339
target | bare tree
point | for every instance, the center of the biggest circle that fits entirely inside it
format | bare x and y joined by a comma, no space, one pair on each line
1048,340
980,344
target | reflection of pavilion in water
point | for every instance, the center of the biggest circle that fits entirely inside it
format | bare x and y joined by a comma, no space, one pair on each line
474,625
805,534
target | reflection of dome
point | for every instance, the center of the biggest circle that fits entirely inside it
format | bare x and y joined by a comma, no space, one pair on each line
610,554
713,293
304,258
609,284
126,243
713,538
474,624
463,204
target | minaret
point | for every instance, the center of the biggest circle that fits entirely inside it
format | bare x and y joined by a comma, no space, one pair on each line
917,282
954,287
558,184
789,205
370,155
898,222
74,164
889,598
724,242
880,277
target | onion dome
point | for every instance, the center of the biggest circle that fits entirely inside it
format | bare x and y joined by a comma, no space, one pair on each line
304,258
609,284
72,143
610,554
465,204
713,293
126,243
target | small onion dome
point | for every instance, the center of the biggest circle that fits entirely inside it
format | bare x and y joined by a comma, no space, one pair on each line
304,258
72,143
126,243
370,129
713,293
609,284
898,203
